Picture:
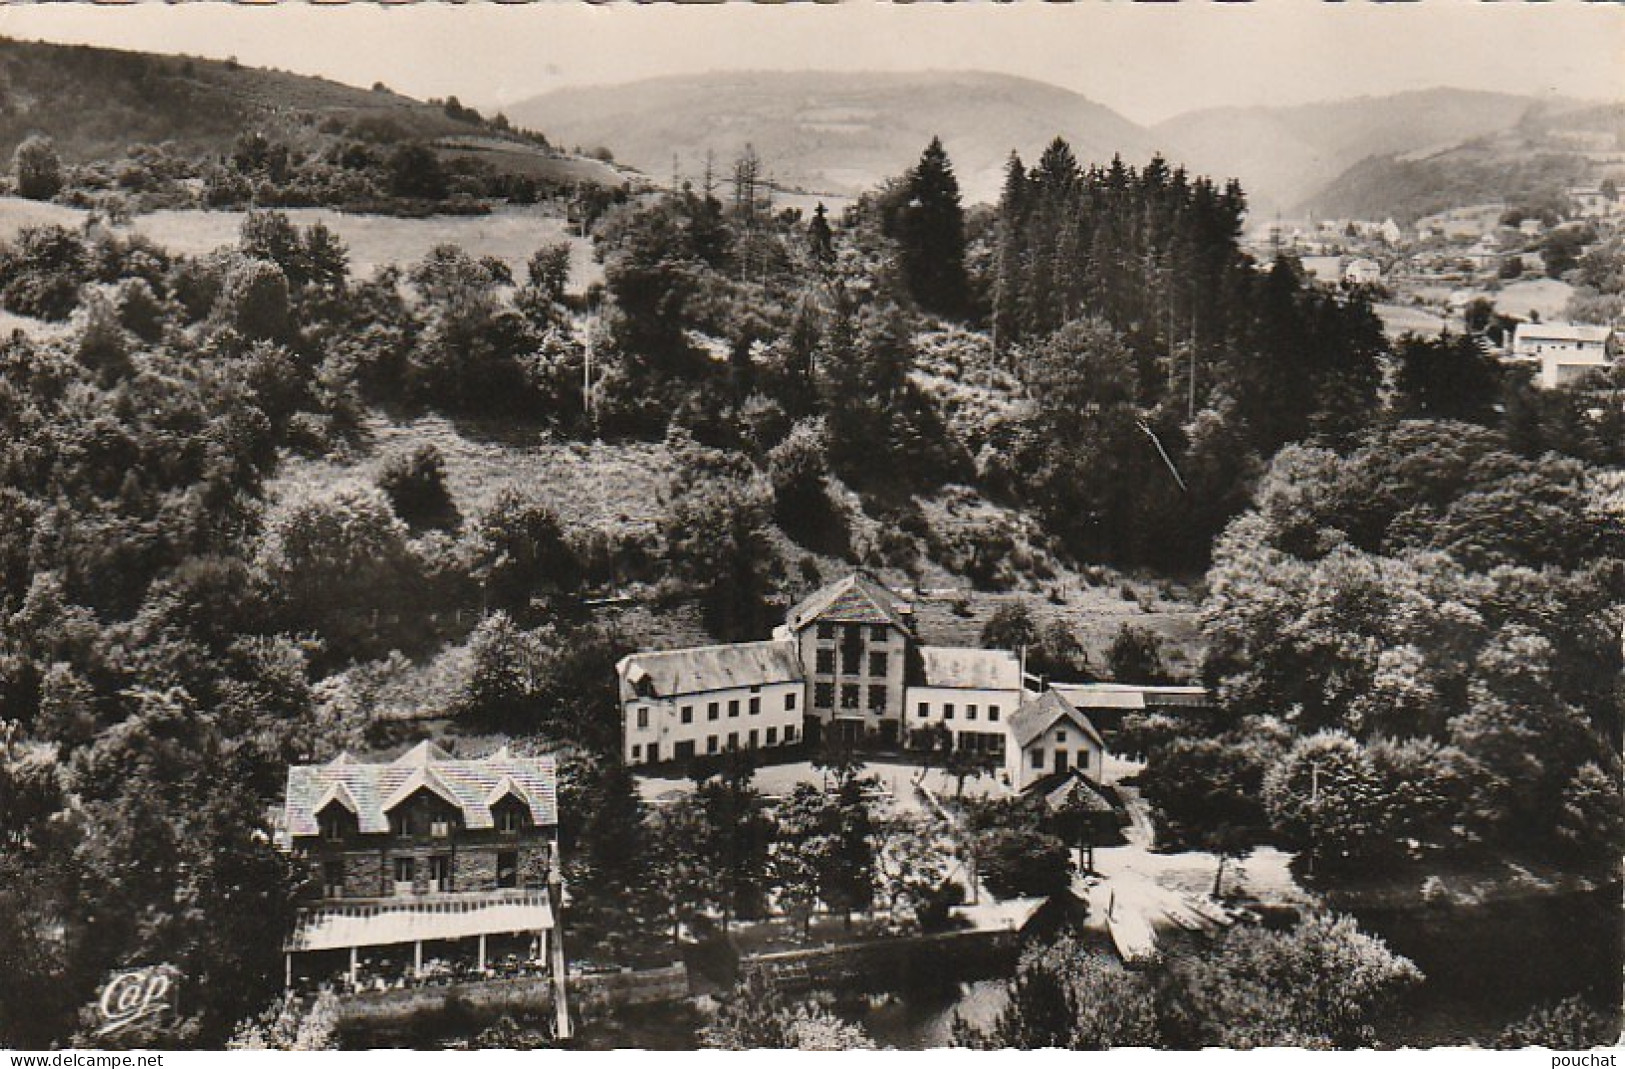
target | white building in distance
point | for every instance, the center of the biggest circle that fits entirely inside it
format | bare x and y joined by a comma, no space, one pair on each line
1566,352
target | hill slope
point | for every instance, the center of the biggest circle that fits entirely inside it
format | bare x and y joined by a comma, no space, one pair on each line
95,103
835,133
1548,151
1285,156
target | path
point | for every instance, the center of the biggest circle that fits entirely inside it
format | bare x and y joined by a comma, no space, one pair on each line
1137,893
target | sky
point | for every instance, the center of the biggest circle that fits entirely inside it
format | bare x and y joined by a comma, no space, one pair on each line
1148,61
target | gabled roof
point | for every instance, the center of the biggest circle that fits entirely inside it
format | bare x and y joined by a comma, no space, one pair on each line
1038,714
857,599
1059,789
668,673
966,668
1581,332
371,790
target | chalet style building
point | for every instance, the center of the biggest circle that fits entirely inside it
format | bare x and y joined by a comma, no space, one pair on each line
848,662
425,850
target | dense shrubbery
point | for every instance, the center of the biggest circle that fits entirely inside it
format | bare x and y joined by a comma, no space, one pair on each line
1435,620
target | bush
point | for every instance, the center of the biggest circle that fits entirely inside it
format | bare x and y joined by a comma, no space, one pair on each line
1015,862
415,484
38,169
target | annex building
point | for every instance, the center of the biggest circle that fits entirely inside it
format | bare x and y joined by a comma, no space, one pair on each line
848,662
428,853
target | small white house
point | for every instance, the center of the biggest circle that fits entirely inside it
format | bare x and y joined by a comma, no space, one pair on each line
1565,351
1362,272
1050,734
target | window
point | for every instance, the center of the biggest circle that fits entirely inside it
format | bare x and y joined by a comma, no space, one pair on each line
993,713
710,744
877,697
1038,757
877,663
440,825
849,696
402,821
440,873
687,716
754,739
733,740
850,659
755,706
507,868
332,879
684,750
823,695
790,734
925,710
877,632
405,873
970,712
947,710
511,818
790,702
826,632
637,752
333,823
757,689
712,711
643,717
1060,734
772,736
733,707
825,662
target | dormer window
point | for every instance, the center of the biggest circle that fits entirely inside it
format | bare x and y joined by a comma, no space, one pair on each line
510,815
335,823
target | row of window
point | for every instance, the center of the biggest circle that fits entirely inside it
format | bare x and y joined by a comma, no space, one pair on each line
404,871
338,823
715,743
853,633
851,696
924,710
851,662
713,710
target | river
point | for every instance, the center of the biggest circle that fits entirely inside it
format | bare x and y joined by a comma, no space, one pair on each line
1486,966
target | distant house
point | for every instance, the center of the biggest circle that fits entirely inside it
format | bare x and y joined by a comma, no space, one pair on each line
680,704
1049,734
1592,203
424,849
1531,227
1362,272
1566,352
1390,231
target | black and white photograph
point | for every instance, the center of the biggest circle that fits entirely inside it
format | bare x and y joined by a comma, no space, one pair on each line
833,527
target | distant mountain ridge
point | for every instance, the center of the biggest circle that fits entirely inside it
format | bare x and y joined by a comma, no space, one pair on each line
1286,156
843,133
835,132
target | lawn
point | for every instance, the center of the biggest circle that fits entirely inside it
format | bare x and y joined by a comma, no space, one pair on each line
589,485
510,233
